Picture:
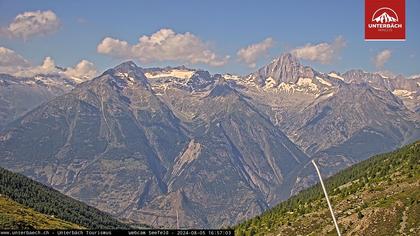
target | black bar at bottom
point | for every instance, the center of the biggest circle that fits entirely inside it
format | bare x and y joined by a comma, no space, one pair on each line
139,232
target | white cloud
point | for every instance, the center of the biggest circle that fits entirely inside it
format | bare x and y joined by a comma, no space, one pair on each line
14,64
116,48
163,45
251,53
382,57
10,59
47,67
83,69
324,53
32,23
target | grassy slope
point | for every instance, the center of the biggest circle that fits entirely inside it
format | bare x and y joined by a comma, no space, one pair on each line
48,201
379,196
16,216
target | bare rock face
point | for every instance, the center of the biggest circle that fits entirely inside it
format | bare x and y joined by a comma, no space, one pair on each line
283,69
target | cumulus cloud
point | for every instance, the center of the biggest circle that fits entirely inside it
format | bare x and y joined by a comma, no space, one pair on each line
323,53
116,48
83,69
47,67
381,58
32,23
10,59
14,64
251,53
163,45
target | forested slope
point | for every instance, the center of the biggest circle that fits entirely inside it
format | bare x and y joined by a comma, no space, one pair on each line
48,201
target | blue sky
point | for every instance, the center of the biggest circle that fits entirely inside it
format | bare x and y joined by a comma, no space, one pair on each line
223,26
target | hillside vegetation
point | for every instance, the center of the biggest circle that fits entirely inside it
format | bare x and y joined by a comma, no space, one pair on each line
41,199
379,196
16,216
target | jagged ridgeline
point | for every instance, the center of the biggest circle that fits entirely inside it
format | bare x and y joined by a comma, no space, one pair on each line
379,196
30,198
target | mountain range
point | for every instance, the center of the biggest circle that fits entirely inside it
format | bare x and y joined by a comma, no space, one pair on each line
19,95
153,145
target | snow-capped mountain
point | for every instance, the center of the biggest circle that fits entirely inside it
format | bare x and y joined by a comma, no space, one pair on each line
19,95
407,89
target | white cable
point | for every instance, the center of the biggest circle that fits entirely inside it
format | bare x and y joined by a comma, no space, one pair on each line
326,196
177,220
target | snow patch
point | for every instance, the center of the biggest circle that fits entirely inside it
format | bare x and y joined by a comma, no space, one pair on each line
231,77
414,76
307,82
334,75
375,87
126,76
49,81
181,74
286,87
303,85
322,81
30,82
327,95
270,83
77,79
403,93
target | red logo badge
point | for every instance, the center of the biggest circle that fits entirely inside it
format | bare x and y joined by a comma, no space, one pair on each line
384,19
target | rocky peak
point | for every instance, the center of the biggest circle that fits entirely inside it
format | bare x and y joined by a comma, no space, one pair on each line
123,75
286,68
355,74
200,80
127,69
221,88
126,66
287,60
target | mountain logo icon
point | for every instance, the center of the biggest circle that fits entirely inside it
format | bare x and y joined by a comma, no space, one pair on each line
385,20
385,15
